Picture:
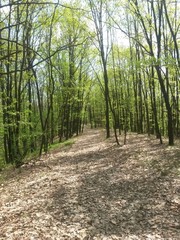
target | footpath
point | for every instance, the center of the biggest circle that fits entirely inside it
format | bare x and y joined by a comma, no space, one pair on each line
95,190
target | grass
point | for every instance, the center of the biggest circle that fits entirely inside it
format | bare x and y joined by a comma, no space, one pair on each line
58,145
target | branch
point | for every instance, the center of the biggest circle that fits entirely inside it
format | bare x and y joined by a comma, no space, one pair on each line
98,78
10,54
10,26
129,36
43,59
41,3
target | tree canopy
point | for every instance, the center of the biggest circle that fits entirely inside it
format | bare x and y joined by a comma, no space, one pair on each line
112,64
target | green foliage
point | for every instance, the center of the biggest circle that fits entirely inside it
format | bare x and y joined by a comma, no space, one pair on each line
59,145
52,72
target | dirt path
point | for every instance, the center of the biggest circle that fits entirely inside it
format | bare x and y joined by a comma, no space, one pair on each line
96,190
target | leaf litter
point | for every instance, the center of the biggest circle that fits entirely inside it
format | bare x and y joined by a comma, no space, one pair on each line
95,190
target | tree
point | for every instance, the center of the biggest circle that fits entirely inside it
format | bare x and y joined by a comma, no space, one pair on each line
99,17
154,49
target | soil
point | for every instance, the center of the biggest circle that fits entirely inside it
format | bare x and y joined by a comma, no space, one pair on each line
95,189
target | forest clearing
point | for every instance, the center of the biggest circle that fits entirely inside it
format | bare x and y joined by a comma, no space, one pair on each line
95,189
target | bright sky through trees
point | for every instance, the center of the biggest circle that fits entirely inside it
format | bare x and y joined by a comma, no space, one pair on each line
113,64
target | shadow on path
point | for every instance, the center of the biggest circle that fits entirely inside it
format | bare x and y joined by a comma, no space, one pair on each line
119,192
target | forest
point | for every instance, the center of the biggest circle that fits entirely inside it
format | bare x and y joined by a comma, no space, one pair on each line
66,64
90,119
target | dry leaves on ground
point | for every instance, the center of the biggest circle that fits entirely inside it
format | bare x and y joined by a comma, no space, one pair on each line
96,190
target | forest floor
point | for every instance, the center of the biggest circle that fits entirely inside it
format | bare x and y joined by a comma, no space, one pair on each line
95,189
